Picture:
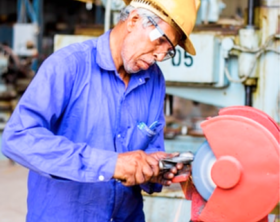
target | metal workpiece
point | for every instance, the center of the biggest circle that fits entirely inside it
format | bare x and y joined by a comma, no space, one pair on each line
183,174
168,163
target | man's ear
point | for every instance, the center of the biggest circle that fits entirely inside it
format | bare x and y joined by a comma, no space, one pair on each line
132,20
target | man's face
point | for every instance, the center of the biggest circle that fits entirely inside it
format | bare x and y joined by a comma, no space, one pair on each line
139,52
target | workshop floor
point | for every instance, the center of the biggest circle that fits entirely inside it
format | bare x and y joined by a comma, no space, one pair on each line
13,191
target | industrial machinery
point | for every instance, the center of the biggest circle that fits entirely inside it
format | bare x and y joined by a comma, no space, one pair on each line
236,171
234,65
235,174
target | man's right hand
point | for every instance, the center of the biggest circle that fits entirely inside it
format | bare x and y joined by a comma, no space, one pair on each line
135,167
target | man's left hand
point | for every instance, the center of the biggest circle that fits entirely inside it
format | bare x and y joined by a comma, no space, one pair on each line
165,177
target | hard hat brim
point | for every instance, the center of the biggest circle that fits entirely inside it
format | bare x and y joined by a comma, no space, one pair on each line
187,45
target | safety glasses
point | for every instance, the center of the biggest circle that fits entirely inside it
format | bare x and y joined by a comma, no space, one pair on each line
157,33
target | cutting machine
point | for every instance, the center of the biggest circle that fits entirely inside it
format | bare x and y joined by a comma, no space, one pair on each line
236,171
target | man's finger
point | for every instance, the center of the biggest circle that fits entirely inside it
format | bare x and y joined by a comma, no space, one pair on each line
140,176
179,166
164,181
162,155
153,164
148,172
170,155
168,175
130,181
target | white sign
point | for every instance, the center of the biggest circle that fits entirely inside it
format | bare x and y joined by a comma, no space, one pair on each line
202,68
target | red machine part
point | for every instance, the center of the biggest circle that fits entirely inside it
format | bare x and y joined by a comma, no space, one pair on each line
256,115
226,172
245,142
250,153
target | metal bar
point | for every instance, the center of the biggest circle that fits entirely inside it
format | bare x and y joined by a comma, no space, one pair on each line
248,95
251,13
31,13
107,16
168,104
19,3
21,11
171,104
38,9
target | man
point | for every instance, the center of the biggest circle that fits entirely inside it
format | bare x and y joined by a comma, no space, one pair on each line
90,125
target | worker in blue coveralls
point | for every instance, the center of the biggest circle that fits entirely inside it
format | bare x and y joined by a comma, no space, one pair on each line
90,125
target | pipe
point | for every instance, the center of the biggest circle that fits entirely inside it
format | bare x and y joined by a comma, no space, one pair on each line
168,105
249,95
251,13
107,16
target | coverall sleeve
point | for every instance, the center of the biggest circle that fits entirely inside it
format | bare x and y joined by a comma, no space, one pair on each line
28,137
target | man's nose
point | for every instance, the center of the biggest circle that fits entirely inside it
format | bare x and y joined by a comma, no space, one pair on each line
159,56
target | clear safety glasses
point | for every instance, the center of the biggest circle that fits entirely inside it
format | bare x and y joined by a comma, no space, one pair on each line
157,33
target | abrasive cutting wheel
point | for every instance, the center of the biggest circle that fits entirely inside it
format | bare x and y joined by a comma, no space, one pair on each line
237,169
201,170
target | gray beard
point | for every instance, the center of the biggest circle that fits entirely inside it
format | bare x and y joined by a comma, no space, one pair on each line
126,67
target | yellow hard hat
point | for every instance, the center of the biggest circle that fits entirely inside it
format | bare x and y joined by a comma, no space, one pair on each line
177,13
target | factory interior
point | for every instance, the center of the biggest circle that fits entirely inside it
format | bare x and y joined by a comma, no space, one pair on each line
237,65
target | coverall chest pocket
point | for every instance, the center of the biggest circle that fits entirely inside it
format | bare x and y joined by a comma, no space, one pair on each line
141,136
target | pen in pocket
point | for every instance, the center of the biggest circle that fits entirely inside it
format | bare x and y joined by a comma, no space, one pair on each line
149,131
153,125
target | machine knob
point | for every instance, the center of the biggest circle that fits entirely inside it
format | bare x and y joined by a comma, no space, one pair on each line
226,172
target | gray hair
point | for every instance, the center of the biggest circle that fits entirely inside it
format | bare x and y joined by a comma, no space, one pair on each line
142,12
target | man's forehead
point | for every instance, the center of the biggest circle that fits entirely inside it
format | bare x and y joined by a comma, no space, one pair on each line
170,31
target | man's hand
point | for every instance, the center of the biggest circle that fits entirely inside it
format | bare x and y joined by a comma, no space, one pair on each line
165,177
136,167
